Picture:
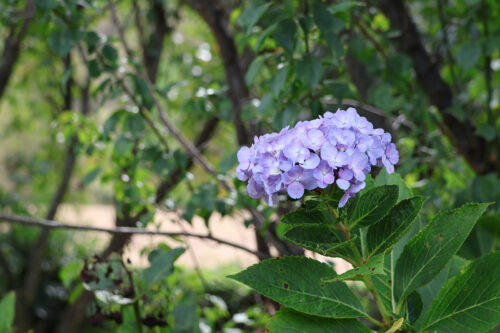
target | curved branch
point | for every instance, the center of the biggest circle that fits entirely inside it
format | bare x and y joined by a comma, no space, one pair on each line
50,224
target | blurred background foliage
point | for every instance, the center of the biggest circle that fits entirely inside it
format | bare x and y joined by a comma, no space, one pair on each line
85,85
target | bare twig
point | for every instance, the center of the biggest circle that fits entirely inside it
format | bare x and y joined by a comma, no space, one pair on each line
51,224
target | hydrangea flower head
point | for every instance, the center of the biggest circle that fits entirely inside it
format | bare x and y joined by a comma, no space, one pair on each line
336,149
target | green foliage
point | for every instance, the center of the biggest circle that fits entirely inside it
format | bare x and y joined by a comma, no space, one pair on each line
382,236
77,93
429,251
7,307
186,317
372,206
287,320
296,283
470,302
162,265
409,271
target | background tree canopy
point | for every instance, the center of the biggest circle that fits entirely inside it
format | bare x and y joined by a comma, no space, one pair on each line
143,105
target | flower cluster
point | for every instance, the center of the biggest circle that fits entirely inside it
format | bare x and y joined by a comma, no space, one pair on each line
338,148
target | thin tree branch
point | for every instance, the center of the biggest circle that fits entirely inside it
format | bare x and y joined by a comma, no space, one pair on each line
12,46
50,224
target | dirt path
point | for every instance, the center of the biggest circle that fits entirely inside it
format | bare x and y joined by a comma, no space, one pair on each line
208,254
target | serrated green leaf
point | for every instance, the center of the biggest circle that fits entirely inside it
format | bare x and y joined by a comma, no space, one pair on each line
470,302
7,307
371,206
304,217
296,283
429,292
431,249
382,235
321,239
289,321
374,267
162,265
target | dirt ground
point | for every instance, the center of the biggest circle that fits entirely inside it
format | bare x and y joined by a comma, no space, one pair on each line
205,253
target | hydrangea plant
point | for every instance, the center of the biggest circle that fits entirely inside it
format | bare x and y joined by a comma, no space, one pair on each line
409,265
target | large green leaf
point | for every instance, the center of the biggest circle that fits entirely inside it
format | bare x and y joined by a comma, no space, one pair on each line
289,321
7,307
470,302
321,239
382,235
429,251
304,217
296,282
372,206
162,265
429,292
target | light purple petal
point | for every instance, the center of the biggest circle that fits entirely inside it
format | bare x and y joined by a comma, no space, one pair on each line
312,162
344,200
295,190
343,184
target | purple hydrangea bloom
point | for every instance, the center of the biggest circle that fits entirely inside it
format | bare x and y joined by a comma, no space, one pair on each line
337,149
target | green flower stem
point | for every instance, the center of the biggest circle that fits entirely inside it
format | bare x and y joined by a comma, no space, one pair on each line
137,313
374,321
